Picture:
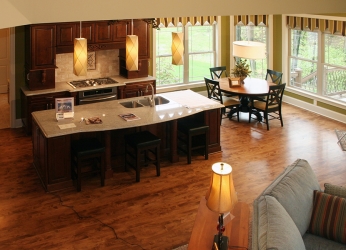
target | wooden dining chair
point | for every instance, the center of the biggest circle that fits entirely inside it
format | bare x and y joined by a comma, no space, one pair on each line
214,92
271,107
271,76
217,72
274,76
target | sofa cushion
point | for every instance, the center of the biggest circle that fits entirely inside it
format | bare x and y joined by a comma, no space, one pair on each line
293,188
329,217
276,229
335,190
314,242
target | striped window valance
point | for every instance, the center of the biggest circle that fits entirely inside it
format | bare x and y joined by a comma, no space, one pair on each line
257,20
336,27
195,20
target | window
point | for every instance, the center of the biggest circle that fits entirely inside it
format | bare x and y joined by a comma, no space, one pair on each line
317,59
335,67
257,34
304,57
199,54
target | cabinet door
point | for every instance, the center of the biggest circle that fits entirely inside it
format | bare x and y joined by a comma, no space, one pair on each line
65,34
88,29
132,90
103,32
43,46
120,31
141,29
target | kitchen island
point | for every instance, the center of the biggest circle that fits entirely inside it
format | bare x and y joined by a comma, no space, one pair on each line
52,138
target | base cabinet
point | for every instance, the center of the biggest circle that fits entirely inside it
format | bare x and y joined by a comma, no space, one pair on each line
136,89
37,103
52,160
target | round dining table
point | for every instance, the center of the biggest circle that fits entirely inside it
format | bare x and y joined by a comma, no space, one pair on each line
250,87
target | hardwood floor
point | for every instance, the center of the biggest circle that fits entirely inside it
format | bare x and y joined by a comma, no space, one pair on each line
157,212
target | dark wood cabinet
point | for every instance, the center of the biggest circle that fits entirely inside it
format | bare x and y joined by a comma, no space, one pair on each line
55,153
120,31
40,46
136,89
103,32
65,35
88,31
37,103
141,29
40,50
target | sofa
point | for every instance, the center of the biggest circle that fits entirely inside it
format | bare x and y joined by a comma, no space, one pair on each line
293,211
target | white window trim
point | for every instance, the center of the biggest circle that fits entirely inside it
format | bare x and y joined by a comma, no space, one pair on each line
162,89
270,40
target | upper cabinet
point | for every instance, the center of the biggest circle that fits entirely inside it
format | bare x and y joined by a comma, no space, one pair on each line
40,46
100,35
141,29
40,50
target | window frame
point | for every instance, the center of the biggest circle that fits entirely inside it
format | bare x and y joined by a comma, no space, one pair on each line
186,84
313,101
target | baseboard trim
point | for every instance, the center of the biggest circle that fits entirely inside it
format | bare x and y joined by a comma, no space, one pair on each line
316,109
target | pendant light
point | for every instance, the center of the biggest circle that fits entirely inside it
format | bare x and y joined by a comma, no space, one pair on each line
132,51
177,48
80,55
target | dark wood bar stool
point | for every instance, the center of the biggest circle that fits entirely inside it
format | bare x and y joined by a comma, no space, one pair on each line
142,142
193,135
83,151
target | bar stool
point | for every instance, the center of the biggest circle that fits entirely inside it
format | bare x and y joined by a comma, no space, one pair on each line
193,135
142,142
83,150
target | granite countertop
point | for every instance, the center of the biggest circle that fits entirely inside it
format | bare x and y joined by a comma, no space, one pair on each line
64,86
182,103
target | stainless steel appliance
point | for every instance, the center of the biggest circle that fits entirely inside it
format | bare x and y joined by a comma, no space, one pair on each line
93,94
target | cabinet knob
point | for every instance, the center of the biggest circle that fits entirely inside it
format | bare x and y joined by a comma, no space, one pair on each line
27,77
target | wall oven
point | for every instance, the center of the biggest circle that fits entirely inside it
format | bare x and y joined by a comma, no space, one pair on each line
97,95
92,94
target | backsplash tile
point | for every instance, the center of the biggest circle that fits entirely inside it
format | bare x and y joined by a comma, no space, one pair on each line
107,64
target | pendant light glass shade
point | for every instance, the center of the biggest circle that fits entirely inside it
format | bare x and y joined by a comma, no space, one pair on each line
132,52
80,57
177,48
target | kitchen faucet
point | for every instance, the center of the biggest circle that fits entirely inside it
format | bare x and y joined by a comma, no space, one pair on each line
150,99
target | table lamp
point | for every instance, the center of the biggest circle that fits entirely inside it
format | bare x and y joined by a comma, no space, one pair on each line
221,197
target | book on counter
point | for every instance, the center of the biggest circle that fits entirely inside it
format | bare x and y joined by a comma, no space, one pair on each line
129,117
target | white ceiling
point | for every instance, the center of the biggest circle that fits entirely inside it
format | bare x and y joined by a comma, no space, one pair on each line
20,12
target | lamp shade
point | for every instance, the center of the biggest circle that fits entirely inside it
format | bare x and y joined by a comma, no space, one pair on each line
249,49
177,48
221,196
80,57
132,52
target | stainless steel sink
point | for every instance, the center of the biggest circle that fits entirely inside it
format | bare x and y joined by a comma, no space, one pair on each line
159,100
131,104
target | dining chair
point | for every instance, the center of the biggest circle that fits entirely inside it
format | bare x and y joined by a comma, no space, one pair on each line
217,72
271,76
274,76
271,107
214,92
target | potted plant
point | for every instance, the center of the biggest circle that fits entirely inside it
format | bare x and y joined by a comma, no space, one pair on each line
241,69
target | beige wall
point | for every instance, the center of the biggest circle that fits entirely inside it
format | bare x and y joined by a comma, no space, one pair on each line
20,12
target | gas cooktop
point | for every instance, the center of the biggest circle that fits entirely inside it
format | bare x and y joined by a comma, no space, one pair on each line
91,82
